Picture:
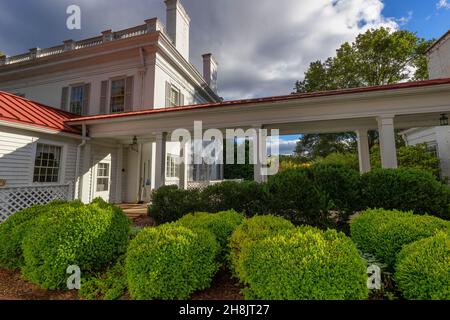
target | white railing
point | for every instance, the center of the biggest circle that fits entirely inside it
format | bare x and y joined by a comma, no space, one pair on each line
14,199
151,25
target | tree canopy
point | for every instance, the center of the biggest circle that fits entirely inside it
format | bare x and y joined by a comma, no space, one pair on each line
377,57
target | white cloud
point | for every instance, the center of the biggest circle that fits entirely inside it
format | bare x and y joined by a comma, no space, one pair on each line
443,4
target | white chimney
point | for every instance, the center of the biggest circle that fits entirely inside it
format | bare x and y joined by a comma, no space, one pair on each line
210,67
177,25
439,58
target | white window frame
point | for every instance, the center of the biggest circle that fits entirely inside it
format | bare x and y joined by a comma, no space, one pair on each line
178,93
172,168
121,78
62,169
79,85
108,176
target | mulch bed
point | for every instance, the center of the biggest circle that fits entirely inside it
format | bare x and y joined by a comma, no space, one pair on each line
223,287
14,287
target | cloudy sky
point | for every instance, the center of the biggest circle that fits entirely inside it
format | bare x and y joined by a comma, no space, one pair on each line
263,46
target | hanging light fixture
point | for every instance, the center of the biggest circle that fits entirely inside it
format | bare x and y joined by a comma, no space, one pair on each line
134,144
443,120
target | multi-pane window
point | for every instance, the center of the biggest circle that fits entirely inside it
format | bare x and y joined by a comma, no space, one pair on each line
47,164
103,177
174,97
117,95
172,166
76,100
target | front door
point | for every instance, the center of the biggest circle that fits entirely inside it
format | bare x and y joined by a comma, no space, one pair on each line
103,180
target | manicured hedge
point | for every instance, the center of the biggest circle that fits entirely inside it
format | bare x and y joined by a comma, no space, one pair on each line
249,197
407,190
423,269
342,184
295,196
304,264
254,229
13,231
383,233
169,203
170,262
221,224
89,236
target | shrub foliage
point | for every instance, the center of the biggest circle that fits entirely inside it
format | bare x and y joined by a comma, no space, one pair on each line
423,269
170,262
383,233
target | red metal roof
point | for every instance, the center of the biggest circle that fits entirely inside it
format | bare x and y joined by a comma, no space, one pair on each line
299,96
19,110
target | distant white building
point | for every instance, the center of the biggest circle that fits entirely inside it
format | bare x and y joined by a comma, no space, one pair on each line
436,138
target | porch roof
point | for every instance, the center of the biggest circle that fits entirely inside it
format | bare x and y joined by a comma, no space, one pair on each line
27,114
265,100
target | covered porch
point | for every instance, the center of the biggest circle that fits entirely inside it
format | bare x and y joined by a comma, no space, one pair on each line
384,109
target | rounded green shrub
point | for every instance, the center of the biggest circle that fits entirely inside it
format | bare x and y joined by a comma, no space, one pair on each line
406,189
254,229
249,197
13,231
304,264
169,203
170,262
383,233
295,196
221,224
342,184
88,236
423,269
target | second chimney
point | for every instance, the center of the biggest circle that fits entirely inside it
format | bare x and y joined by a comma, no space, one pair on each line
210,67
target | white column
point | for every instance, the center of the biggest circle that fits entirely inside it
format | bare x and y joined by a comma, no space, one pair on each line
184,166
86,174
139,174
363,150
261,155
119,174
387,142
160,160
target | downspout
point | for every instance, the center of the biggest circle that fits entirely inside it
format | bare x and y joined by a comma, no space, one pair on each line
77,165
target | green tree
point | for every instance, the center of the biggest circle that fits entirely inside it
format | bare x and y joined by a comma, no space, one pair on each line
377,57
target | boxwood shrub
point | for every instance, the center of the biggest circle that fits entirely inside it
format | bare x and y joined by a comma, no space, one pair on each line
169,203
383,233
89,236
254,229
423,269
406,189
13,231
249,197
342,184
304,264
295,196
170,262
221,224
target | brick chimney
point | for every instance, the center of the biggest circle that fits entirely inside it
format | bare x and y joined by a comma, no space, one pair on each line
177,26
210,67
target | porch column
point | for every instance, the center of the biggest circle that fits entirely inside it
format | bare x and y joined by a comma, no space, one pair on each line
261,154
184,166
160,163
387,142
139,174
86,173
363,150
119,174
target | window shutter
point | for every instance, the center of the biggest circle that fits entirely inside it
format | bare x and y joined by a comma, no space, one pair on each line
65,99
129,94
181,99
86,98
103,97
168,88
